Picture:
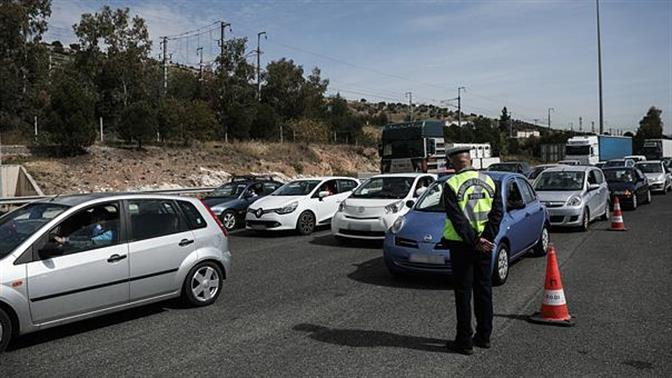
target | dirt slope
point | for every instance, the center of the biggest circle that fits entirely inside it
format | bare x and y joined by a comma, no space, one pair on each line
116,169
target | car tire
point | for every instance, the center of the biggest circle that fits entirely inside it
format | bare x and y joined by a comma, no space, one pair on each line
6,330
585,224
541,248
305,225
633,202
607,206
229,220
501,270
648,197
198,286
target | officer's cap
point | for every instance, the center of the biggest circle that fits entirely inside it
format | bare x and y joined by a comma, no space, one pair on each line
457,150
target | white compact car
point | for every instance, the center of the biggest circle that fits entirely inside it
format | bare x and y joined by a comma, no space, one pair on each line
300,205
377,203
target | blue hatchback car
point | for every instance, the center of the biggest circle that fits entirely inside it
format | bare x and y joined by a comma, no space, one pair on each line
413,243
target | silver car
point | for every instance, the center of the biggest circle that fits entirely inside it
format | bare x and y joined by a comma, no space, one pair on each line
659,177
573,195
75,257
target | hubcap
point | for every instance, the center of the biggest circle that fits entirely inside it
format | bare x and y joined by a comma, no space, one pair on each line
229,221
205,284
544,239
307,223
503,263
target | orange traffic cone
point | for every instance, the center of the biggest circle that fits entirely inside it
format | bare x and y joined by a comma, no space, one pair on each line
617,217
554,307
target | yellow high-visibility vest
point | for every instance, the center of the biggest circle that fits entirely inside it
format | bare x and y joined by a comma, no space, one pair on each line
475,192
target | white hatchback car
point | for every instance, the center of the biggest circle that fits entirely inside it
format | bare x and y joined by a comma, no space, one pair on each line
377,203
300,205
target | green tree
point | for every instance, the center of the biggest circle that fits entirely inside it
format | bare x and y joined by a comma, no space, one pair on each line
650,127
504,120
138,123
266,123
283,88
70,116
22,58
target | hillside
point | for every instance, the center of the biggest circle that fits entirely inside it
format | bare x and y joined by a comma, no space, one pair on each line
119,169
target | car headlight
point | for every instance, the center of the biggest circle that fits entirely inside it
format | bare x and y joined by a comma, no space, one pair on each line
289,208
398,225
341,206
658,179
394,207
574,201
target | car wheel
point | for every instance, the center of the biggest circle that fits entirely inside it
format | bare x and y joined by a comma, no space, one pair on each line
586,220
605,216
648,197
229,220
203,284
501,271
306,223
542,245
6,330
633,205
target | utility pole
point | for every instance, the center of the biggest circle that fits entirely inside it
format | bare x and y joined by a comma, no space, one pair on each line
599,64
510,125
259,63
459,105
410,105
35,123
592,126
199,52
164,43
571,126
536,120
549,116
102,138
222,28
580,124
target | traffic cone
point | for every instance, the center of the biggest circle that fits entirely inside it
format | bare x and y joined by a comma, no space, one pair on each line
617,217
554,307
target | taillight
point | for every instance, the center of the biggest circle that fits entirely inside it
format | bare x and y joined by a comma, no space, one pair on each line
219,223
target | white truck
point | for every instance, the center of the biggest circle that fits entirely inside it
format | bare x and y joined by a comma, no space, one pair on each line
656,149
593,149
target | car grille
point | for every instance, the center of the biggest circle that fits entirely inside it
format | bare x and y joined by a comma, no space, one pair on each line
554,204
557,218
361,218
402,242
267,224
378,234
435,267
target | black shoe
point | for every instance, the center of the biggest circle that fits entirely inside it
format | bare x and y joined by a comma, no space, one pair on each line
482,343
461,349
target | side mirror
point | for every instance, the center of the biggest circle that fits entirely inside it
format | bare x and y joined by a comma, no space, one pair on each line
420,190
592,187
321,195
410,204
515,205
50,249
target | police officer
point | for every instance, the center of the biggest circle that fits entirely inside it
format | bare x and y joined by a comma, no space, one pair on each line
474,212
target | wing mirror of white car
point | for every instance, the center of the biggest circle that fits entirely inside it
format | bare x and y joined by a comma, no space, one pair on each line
592,187
323,194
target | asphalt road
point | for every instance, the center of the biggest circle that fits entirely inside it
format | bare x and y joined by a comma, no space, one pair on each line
305,306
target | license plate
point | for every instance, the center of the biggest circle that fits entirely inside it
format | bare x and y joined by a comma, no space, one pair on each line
360,227
427,259
258,227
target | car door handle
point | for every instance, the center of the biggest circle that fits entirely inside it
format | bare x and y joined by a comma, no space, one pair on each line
115,258
185,242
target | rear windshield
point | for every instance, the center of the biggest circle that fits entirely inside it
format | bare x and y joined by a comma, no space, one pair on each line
17,226
619,175
504,167
650,167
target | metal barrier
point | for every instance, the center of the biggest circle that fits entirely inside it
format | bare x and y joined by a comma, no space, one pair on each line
24,200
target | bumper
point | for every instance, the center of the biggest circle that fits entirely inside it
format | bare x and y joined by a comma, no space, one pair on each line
399,258
372,228
565,216
658,187
271,221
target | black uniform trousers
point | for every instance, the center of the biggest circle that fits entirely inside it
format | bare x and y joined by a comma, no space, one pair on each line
472,272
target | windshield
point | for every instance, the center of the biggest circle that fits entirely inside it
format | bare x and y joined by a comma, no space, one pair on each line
615,163
229,190
431,200
559,181
577,150
650,167
19,225
619,175
394,149
504,167
536,172
385,188
297,188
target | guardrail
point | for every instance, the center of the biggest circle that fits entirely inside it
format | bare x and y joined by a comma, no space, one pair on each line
27,199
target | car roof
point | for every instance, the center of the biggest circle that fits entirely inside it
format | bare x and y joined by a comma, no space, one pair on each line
570,168
72,200
649,161
323,178
410,174
497,176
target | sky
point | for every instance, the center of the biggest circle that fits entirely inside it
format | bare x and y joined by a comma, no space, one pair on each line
526,55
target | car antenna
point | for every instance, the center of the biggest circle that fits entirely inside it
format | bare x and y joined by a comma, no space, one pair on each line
54,197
